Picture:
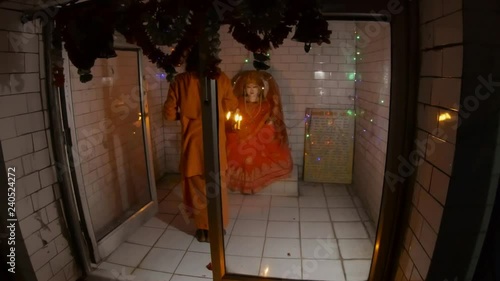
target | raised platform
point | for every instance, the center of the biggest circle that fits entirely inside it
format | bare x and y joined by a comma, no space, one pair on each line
285,187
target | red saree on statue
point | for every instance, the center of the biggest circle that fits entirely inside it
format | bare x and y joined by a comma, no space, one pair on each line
257,152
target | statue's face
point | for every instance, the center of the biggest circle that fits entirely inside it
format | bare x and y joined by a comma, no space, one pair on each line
252,92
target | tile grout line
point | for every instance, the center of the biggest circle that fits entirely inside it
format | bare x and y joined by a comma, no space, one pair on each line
170,191
152,247
265,235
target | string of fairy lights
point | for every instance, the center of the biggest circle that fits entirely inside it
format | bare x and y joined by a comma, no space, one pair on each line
369,117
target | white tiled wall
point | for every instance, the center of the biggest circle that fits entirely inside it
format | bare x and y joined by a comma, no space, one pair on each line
25,138
318,79
372,112
439,95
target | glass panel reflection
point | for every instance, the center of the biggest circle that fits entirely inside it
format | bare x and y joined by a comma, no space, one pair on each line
110,141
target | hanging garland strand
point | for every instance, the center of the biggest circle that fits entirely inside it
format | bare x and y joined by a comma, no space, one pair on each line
259,25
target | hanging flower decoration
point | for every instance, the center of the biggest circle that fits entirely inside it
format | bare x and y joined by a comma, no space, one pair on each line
87,29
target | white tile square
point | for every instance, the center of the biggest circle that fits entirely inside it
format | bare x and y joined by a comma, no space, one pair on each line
236,199
234,211
355,248
148,275
266,191
230,226
277,188
284,214
340,202
357,202
128,254
173,239
357,270
322,270
282,229
335,190
284,201
316,230
199,247
311,191
164,260
195,264
370,228
256,200
282,248
312,202
250,228
320,249
253,213
243,265
363,215
314,214
291,188
112,271
245,246
45,273
281,268
145,236
159,221
344,214
350,230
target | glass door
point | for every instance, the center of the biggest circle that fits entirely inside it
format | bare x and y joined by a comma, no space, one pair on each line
111,149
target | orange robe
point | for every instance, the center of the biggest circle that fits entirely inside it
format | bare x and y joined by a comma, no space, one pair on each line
184,94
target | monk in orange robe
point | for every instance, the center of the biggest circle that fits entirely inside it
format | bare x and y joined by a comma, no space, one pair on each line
184,94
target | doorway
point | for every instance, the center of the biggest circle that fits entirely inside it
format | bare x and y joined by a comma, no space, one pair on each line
110,148
326,233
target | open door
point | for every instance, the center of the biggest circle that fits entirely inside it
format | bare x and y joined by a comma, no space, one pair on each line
110,149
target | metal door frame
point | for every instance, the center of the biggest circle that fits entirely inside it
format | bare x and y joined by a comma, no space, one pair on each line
105,246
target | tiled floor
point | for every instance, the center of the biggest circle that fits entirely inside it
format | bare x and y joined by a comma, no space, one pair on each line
324,234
